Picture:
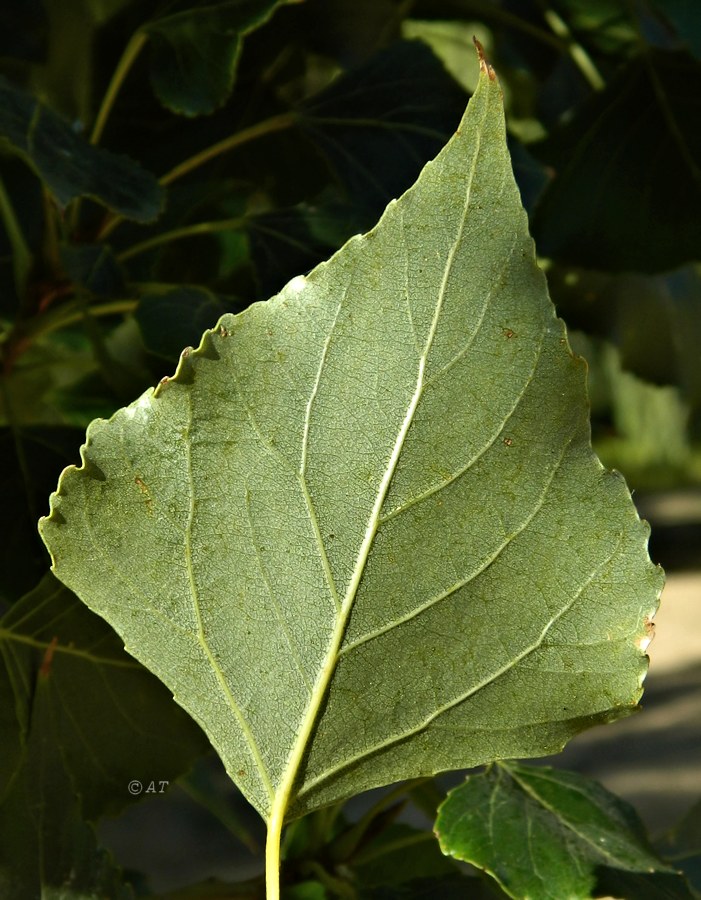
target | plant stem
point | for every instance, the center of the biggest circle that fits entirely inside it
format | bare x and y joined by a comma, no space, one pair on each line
260,129
511,20
272,852
132,50
578,54
72,313
178,233
21,256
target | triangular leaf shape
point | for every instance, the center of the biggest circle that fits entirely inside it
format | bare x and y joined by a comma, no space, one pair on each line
361,534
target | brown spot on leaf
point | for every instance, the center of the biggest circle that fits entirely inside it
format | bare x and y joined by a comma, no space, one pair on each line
508,442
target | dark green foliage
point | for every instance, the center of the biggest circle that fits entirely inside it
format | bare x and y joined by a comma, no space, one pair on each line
164,162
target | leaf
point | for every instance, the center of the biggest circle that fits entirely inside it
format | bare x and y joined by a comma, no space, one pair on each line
398,855
175,318
683,15
95,690
541,832
380,121
195,52
286,241
94,268
47,850
361,535
654,319
31,459
628,196
69,165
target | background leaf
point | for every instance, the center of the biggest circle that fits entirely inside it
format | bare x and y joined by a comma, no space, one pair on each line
373,500
378,122
67,724
629,195
542,832
70,166
195,52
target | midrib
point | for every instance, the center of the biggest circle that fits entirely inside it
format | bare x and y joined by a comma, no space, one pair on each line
284,791
282,795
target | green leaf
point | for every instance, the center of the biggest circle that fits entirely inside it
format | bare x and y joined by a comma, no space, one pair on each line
378,122
94,268
398,855
541,832
46,849
195,52
95,690
70,166
627,191
175,318
361,535
683,15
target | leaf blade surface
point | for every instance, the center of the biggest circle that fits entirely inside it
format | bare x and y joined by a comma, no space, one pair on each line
362,534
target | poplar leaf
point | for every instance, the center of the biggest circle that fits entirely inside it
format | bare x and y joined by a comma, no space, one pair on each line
361,534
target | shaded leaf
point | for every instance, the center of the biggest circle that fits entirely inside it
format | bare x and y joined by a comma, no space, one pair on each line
287,241
30,462
69,165
541,832
361,534
627,191
400,854
95,690
173,319
195,52
636,886
655,320
46,849
378,123
94,268
683,16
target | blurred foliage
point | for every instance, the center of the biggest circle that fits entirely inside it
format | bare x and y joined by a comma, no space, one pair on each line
164,161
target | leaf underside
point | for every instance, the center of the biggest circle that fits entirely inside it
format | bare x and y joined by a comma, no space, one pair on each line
361,534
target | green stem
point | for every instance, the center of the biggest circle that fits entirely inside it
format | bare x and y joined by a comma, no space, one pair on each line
511,20
260,129
272,853
578,54
16,431
72,313
21,256
132,50
179,233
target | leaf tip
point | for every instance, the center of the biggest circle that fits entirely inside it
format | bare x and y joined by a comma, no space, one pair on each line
485,67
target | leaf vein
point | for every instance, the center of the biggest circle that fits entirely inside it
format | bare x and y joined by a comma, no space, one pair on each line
462,582
466,695
201,637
